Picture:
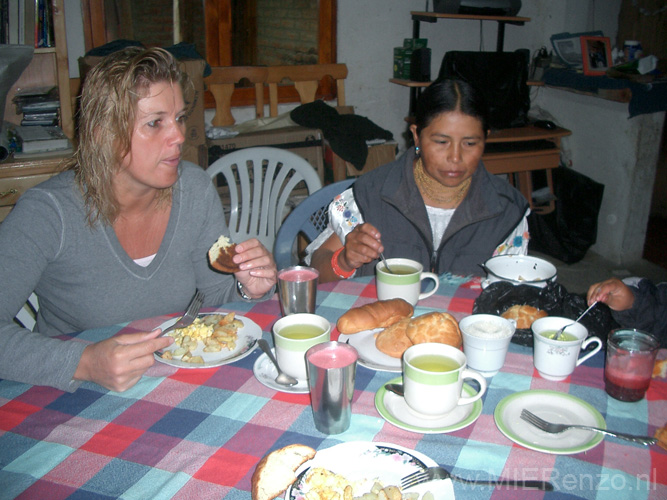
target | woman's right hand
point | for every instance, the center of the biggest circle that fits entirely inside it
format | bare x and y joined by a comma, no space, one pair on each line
119,362
362,245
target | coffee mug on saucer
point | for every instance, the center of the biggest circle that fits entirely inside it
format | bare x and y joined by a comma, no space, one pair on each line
404,282
557,359
293,335
433,377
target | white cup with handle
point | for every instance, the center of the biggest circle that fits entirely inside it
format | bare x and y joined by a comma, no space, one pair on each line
433,376
404,281
557,359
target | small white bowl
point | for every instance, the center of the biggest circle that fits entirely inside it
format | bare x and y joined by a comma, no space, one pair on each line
520,270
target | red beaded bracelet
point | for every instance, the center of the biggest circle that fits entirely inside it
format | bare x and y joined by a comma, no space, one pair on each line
336,268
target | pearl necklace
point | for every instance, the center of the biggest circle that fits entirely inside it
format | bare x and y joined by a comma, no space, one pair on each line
435,191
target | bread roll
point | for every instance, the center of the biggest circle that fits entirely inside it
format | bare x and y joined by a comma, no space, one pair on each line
524,315
393,340
276,471
380,314
435,326
220,255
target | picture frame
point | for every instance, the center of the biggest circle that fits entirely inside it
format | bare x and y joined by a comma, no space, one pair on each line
596,54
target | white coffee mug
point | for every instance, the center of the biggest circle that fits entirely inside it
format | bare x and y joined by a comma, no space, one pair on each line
404,282
486,339
433,377
293,335
557,359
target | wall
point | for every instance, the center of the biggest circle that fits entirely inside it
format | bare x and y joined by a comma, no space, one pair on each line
378,26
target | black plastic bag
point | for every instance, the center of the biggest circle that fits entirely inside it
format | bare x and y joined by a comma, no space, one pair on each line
569,231
554,299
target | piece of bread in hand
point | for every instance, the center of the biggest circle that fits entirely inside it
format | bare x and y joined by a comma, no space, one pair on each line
379,314
393,340
440,327
524,315
220,255
276,471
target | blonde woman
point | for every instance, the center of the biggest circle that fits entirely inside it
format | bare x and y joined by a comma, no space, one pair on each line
122,234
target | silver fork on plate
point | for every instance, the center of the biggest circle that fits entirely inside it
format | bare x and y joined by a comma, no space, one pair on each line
190,313
552,428
432,473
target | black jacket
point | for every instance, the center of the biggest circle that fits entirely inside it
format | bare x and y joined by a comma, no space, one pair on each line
649,311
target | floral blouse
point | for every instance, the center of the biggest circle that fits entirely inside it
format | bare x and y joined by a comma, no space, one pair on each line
344,215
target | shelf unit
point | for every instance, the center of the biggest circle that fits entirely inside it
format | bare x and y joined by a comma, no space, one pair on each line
433,17
49,66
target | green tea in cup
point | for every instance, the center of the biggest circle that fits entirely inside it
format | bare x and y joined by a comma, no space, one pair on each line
401,269
301,331
564,337
435,363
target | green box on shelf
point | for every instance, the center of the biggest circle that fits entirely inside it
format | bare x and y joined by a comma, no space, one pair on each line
415,43
398,62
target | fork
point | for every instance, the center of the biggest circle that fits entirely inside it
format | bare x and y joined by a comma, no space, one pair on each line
552,428
432,473
190,314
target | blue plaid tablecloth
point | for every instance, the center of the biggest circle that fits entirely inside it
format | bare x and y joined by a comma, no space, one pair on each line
184,434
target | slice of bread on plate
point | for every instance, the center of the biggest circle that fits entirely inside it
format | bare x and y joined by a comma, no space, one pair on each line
276,471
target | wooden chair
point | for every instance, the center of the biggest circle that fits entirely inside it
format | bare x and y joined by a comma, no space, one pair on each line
306,80
221,82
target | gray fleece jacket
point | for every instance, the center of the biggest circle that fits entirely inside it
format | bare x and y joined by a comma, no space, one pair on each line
84,279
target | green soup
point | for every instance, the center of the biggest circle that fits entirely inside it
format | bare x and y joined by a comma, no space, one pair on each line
301,331
400,269
435,363
564,337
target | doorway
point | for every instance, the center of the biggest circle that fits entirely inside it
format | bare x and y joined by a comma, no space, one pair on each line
655,245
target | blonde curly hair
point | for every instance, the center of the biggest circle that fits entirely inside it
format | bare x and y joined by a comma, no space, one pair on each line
106,116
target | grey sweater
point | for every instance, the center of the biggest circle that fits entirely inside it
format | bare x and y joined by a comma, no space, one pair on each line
84,279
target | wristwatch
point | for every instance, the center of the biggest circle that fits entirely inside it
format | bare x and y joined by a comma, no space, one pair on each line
241,291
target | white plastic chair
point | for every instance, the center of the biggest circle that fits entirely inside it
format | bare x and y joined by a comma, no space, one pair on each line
261,181
27,316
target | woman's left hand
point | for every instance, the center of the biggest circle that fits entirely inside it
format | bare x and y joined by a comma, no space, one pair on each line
258,271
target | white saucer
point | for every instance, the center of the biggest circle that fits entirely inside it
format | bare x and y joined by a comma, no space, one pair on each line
557,407
369,355
266,373
394,410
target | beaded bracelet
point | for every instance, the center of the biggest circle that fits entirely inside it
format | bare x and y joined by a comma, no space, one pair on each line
336,268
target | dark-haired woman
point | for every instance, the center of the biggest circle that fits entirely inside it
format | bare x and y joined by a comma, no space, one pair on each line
437,204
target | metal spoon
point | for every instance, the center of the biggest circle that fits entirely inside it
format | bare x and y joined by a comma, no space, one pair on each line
560,332
384,261
282,378
395,388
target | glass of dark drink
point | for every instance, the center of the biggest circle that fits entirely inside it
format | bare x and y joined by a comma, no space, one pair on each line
630,357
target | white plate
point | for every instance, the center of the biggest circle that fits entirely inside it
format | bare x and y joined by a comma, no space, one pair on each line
394,410
245,344
266,373
369,355
365,461
554,407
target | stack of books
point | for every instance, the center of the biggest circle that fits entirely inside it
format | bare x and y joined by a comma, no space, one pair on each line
39,141
40,106
27,22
